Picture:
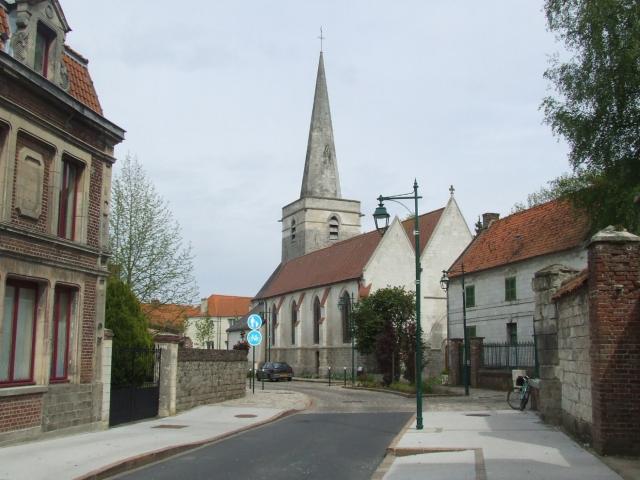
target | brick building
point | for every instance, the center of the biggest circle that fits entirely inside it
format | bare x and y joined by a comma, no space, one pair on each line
56,154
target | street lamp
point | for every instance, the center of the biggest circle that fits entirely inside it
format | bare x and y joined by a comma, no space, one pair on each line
444,284
381,218
347,303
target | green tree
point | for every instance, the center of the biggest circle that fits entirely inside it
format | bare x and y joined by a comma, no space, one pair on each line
385,324
204,329
124,317
146,242
597,109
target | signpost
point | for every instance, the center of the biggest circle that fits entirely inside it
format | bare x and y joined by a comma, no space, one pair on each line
254,338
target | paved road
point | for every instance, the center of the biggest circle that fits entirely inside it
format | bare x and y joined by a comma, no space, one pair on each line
344,435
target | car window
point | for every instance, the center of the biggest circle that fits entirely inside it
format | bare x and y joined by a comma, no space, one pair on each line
268,365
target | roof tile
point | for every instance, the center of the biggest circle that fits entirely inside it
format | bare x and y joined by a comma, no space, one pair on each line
168,316
548,228
227,306
80,83
342,261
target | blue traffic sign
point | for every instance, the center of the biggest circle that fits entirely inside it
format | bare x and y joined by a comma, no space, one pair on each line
254,337
254,321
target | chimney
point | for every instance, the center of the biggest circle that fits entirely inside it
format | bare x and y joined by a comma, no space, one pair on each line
488,219
204,304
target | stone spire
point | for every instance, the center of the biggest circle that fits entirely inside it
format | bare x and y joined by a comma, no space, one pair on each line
321,167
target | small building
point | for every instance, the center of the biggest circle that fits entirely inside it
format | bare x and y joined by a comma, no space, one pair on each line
56,158
207,327
500,264
168,318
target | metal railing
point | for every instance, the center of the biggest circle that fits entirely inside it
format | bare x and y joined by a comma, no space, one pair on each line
509,355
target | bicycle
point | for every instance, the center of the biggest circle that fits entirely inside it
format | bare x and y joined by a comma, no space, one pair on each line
518,397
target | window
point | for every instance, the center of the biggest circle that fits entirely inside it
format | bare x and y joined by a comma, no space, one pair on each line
293,230
209,345
316,321
512,333
62,317
345,310
44,39
274,324
17,340
68,200
294,321
510,289
334,226
470,296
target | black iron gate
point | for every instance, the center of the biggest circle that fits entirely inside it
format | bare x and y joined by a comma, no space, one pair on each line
135,384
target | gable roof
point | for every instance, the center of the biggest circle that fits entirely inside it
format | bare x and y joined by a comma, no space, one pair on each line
168,316
548,228
241,325
340,262
227,306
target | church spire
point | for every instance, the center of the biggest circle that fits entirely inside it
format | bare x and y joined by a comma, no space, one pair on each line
321,167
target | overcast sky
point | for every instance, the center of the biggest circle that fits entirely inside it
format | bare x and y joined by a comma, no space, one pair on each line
216,99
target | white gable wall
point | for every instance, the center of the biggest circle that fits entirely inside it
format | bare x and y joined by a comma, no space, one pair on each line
450,237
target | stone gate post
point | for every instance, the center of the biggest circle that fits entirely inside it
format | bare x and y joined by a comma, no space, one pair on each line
168,373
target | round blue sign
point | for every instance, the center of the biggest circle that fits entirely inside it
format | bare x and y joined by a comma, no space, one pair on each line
254,321
254,337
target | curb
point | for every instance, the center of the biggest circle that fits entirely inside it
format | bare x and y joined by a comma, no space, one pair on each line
143,459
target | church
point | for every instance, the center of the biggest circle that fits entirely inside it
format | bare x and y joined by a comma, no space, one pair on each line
328,264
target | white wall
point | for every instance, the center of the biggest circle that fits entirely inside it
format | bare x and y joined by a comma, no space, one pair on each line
219,335
492,313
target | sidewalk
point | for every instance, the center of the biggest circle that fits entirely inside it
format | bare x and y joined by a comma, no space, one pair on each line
88,455
495,444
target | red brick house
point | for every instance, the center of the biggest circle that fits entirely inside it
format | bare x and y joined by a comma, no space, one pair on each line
56,154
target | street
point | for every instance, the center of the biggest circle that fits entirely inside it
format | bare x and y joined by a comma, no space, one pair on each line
343,435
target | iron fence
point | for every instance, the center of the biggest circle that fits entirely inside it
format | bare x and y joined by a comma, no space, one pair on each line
509,355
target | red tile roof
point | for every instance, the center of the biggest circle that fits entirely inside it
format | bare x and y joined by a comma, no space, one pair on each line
227,306
4,26
548,228
168,316
572,285
340,262
80,83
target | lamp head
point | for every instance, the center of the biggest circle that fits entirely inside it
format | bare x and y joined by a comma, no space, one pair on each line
381,217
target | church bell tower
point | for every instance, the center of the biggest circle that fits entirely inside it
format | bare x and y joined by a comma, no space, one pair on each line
320,217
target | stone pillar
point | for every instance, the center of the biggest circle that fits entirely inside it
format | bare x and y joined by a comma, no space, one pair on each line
455,363
476,346
168,373
107,350
614,317
545,284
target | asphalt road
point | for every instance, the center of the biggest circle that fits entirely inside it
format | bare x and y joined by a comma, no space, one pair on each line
343,436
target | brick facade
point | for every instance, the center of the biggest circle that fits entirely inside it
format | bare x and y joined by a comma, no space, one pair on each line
41,125
614,314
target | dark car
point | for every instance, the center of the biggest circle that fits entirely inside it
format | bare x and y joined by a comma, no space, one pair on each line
274,371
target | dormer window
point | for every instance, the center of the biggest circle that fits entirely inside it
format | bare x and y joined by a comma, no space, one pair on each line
334,226
44,40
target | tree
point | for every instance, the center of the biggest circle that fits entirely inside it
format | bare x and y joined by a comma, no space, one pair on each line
562,186
146,242
598,107
124,317
204,329
385,324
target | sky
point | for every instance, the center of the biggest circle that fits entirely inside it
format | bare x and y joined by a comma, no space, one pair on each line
216,99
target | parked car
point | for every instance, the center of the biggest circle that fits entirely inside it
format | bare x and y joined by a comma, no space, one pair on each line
274,371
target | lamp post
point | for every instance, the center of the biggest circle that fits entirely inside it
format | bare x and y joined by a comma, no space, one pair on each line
348,304
444,284
381,217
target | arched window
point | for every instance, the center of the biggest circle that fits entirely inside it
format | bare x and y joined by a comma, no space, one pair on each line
334,227
274,324
293,230
345,310
294,321
316,321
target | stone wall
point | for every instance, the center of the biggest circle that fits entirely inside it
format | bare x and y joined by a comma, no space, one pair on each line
588,337
67,406
574,367
209,376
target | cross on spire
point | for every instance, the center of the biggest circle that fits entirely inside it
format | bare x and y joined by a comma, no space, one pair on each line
452,190
321,37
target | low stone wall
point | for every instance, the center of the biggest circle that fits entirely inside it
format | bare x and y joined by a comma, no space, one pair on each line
495,379
68,406
209,376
